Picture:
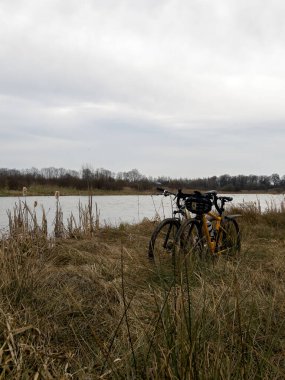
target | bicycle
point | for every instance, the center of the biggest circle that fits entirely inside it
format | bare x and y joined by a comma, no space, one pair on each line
162,240
208,231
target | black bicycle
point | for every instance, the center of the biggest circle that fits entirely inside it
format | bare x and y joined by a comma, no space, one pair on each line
163,237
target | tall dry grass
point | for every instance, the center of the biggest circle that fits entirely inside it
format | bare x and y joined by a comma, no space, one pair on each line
94,307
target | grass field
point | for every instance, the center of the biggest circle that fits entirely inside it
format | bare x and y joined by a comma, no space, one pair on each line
93,306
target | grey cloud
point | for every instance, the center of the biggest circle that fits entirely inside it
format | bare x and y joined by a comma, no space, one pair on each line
143,84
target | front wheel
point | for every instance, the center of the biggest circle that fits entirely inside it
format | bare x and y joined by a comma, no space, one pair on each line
229,240
189,239
162,240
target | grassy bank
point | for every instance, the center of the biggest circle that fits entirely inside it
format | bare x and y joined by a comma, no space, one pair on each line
38,190
93,306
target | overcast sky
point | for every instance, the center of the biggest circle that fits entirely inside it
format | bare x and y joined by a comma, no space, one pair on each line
181,88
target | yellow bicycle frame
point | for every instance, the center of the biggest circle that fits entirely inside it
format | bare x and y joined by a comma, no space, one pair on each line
211,243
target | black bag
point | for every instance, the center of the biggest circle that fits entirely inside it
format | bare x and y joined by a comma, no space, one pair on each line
198,204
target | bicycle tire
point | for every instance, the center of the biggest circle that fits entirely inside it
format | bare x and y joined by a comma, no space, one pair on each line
230,237
162,240
189,239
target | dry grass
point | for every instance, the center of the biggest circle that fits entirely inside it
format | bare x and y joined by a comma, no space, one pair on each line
93,306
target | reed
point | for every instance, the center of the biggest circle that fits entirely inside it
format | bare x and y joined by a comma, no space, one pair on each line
87,222
23,221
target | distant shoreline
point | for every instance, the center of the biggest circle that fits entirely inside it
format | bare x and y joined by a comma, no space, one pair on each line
48,191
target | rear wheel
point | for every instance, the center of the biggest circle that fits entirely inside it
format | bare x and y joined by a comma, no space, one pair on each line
162,240
230,243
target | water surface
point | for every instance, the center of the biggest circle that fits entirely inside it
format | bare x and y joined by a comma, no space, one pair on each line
114,210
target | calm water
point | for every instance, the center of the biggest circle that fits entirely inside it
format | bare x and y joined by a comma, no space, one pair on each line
117,209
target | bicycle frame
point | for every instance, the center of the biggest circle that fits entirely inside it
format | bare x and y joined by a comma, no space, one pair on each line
214,244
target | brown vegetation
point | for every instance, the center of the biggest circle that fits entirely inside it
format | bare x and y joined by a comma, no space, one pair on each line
89,305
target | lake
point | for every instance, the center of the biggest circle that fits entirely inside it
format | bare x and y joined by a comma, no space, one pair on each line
114,210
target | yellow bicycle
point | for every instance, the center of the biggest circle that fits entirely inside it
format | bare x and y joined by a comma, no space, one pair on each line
208,231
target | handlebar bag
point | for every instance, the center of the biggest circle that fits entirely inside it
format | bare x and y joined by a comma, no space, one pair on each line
198,204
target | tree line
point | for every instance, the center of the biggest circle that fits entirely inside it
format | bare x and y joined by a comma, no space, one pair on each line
88,178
